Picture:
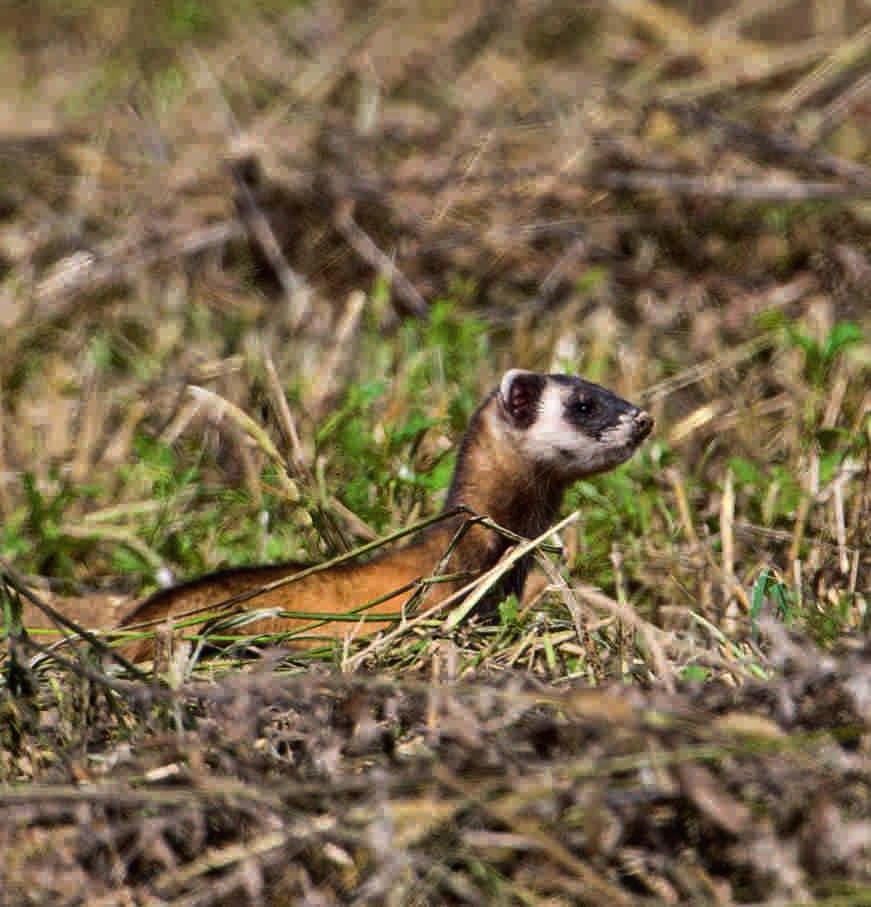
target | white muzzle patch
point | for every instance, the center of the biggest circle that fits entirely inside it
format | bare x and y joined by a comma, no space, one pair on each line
554,442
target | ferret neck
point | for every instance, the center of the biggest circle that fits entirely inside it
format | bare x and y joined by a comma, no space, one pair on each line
492,478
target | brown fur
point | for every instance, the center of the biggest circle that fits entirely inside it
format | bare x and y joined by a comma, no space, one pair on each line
492,478
333,591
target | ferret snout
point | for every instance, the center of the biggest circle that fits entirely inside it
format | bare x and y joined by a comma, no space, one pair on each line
643,423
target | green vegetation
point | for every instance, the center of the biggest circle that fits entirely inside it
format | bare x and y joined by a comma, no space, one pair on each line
385,451
220,226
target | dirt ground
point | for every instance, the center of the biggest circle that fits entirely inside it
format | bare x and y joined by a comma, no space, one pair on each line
352,199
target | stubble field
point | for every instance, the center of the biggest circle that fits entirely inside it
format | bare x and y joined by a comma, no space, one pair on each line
258,264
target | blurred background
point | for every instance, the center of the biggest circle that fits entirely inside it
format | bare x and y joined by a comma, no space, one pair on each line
259,261
373,209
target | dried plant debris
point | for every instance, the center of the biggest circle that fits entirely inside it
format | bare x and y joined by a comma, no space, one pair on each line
255,269
485,161
269,788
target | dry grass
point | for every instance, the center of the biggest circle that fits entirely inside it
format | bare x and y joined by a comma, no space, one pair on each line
257,266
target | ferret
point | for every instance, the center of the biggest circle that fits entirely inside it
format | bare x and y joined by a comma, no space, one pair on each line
529,440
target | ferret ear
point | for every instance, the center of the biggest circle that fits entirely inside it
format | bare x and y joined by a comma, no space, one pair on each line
519,393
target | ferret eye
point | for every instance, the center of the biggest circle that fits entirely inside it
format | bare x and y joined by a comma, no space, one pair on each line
583,407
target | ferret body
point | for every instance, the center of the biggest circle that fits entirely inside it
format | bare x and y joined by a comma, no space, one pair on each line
530,439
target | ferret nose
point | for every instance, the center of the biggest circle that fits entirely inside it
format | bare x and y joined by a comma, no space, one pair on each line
643,423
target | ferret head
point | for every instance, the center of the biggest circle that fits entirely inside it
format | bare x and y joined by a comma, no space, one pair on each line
566,426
